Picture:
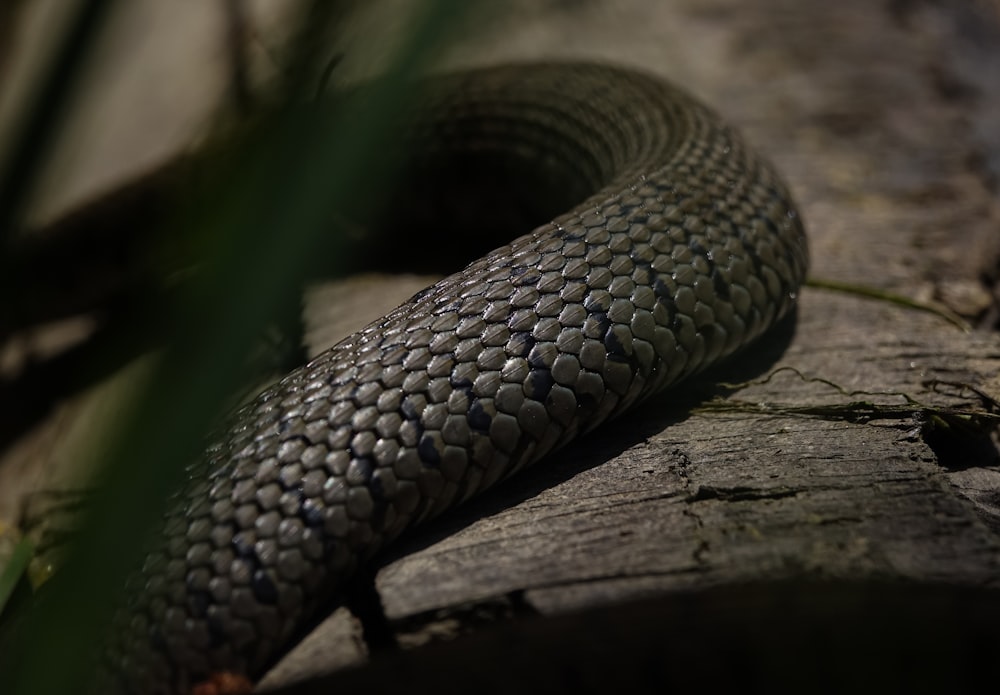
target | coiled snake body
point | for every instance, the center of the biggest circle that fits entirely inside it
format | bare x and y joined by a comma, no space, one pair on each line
686,250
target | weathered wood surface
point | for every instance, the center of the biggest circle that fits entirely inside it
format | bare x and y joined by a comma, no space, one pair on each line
882,118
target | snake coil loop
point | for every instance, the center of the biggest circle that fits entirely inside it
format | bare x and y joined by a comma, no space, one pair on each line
687,249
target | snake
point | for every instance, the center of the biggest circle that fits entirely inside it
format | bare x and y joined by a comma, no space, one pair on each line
683,248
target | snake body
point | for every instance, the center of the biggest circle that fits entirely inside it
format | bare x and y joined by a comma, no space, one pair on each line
686,249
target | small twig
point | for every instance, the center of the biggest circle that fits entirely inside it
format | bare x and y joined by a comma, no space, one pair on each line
886,296
968,420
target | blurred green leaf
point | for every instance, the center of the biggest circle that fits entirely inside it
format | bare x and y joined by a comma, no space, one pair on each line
256,232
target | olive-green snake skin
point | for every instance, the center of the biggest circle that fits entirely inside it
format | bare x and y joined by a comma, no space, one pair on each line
686,250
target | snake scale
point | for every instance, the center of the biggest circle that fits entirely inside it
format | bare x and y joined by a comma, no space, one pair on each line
686,248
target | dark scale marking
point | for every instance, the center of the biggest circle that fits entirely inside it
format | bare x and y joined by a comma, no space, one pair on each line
592,306
283,426
529,277
521,344
243,549
423,294
311,513
751,251
719,283
408,410
478,418
365,464
461,384
428,450
604,324
614,346
536,360
376,486
670,307
775,231
643,273
293,486
263,587
538,384
697,248
569,235
662,292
